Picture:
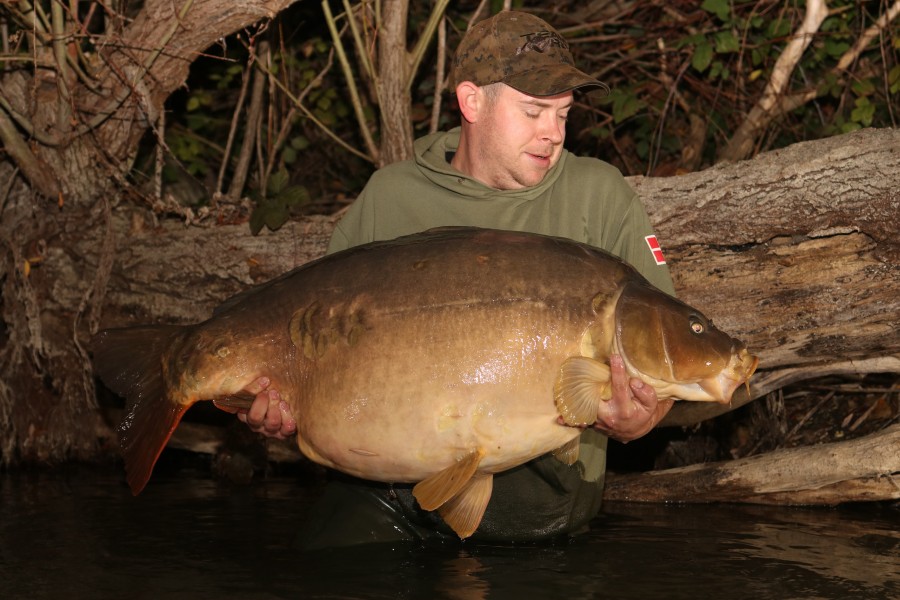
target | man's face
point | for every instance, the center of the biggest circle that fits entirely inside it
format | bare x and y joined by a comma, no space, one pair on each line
521,137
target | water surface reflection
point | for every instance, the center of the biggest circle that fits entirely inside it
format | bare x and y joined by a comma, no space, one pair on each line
78,533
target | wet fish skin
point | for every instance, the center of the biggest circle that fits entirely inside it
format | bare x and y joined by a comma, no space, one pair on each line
439,358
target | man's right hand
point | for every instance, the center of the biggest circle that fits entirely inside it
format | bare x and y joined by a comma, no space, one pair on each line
268,414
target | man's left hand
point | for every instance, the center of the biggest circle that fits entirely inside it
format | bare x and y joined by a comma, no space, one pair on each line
633,409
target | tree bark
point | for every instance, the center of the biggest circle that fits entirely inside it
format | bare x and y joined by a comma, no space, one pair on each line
395,73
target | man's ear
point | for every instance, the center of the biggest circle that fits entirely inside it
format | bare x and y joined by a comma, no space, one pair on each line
469,98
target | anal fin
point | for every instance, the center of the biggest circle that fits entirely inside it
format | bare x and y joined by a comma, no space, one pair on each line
437,489
463,512
581,385
568,452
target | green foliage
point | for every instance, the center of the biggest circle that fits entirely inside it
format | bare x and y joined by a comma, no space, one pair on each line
720,54
716,57
625,104
280,201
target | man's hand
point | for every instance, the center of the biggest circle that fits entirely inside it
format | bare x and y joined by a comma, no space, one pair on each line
269,414
633,409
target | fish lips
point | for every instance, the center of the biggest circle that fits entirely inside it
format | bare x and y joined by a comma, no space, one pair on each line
721,388
717,388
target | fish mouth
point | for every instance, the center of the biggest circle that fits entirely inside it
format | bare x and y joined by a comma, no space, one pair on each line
717,388
721,388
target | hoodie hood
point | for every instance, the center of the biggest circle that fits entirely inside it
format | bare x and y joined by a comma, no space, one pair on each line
432,156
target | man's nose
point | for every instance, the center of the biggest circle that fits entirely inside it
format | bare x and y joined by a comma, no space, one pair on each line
553,129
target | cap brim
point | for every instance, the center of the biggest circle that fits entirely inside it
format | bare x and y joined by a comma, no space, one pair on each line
558,79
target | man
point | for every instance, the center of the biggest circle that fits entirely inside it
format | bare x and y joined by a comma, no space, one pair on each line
505,167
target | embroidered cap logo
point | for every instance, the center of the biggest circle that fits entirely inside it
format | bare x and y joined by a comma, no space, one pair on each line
539,41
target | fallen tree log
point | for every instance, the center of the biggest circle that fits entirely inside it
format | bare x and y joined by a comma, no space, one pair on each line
862,469
794,252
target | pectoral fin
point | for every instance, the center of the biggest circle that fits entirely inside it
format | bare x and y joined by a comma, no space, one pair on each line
433,492
239,402
464,511
568,453
582,383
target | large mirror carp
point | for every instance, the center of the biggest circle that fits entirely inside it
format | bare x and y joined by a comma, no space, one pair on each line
439,358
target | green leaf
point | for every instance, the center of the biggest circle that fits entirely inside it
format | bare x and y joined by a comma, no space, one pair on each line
779,28
691,40
894,79
625,105
726,42
257,220
719,71
300,142
703,55
864,112
277,182
835,48
848,127
324,103
289,155
721,8
193,103
294,196
863,87
276,217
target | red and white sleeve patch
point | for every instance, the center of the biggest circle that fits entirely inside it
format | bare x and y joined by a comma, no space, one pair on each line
655,250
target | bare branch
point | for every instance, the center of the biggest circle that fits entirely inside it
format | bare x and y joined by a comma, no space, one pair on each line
371,146
439,77
253,119
39,176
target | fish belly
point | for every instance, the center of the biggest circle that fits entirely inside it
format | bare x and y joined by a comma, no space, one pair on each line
478,378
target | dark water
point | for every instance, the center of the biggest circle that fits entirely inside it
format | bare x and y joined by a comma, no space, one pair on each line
78,533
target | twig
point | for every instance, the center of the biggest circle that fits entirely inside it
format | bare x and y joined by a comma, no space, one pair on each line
242,168
160,155
235,120
288,120
418,52
355,100
39,176
808,415
58,22
364,55
862,418
439,82
312,117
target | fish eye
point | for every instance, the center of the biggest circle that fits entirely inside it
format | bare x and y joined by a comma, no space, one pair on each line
697,326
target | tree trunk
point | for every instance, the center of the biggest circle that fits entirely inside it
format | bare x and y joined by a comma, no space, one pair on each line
792,252
138,67
863,469
395,73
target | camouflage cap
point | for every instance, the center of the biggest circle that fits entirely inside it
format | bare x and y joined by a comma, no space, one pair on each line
523,52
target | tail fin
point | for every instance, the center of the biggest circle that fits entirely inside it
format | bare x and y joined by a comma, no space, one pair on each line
129,361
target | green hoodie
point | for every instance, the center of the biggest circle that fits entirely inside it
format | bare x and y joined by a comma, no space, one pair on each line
584,199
